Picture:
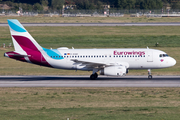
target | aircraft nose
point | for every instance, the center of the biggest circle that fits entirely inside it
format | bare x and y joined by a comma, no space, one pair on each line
173,62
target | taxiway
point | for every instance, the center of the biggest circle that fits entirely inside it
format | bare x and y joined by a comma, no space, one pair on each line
98,24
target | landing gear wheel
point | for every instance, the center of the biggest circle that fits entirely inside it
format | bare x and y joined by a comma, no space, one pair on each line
150,77
149,74
94,76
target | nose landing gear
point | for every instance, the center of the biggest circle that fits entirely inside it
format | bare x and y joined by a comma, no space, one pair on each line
149,74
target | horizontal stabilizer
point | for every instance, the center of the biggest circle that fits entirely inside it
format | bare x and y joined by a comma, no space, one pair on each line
17,55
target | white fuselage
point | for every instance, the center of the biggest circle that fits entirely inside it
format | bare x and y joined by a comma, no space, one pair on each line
131,58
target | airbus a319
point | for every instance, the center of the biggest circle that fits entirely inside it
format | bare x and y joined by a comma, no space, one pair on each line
110,62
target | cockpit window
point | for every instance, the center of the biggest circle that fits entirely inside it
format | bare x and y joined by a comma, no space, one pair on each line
163,55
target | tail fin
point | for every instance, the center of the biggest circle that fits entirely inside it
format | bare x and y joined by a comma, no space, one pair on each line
22,40
26,48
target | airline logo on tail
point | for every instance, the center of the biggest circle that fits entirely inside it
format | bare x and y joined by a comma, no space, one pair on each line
16,26
26,48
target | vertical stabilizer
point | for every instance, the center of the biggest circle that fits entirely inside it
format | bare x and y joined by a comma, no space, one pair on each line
26,48
22,40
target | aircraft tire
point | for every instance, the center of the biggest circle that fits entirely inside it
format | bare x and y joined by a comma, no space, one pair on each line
93,77
150,77
96,75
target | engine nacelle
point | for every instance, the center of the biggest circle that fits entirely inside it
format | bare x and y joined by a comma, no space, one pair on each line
114,71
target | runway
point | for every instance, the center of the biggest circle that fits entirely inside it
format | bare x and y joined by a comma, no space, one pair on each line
84,81
97,24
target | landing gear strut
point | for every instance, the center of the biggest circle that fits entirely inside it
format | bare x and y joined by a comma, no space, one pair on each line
149,74
94,76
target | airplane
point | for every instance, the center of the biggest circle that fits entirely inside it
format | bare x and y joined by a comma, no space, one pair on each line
110,62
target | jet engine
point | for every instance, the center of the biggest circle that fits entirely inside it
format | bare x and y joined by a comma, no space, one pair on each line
114,71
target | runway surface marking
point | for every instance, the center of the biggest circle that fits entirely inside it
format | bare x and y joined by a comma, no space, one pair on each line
84,81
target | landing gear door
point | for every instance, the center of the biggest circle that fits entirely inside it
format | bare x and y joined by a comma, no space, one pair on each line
150,56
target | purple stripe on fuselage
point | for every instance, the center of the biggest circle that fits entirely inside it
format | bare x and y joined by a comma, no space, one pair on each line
35,55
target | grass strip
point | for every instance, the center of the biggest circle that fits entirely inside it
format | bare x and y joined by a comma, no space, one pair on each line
90,103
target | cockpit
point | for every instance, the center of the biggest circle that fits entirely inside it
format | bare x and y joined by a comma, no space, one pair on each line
163,55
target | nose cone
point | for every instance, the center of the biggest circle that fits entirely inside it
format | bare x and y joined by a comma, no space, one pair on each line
167,62
172,62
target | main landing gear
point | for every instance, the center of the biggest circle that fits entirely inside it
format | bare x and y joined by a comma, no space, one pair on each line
94,76
149,74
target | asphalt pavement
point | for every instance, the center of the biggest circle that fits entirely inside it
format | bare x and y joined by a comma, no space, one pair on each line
84,81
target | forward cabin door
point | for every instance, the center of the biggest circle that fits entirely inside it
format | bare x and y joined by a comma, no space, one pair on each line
150,56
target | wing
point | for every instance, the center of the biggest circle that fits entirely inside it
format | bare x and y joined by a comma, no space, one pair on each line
95,64
89,64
